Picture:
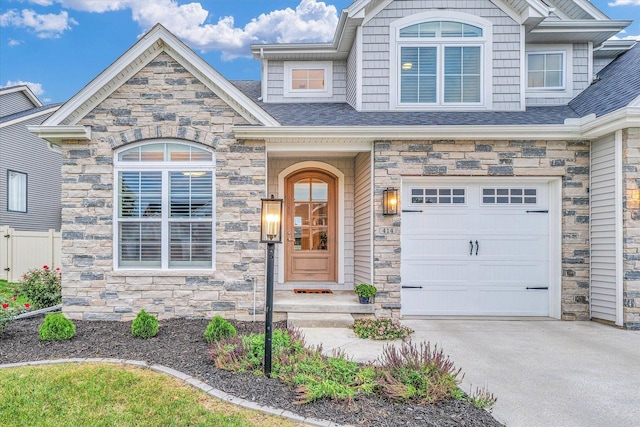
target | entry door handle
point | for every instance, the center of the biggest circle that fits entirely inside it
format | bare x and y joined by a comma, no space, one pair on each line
477,247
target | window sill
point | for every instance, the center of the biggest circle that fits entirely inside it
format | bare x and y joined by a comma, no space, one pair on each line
166,273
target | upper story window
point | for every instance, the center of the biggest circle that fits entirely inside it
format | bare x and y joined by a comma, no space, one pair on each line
440,62
16,191
164,207
308,79
545,70
549,71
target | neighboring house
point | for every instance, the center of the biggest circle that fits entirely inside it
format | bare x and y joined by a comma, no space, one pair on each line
517,168
30,177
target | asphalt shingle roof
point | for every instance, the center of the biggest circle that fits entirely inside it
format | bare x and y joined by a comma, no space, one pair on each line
27,112
617,86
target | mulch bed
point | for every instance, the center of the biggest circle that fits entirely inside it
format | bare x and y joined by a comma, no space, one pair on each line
180,345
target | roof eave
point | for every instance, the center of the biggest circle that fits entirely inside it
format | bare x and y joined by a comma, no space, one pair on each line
57,134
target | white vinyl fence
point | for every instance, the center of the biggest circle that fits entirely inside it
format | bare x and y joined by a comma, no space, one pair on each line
21,251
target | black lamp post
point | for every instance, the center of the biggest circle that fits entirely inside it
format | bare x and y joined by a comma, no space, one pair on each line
270,233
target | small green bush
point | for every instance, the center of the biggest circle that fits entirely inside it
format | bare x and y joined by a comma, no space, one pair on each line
42,287
365,290
56,327
219,328
145,325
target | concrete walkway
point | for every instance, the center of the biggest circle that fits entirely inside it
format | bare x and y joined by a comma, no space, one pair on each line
544,372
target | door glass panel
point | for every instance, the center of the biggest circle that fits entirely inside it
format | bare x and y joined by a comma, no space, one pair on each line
320,212
301,239
320,190
301,216
319,238
301,190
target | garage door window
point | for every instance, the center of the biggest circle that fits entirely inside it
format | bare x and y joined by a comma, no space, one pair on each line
509,196
438,196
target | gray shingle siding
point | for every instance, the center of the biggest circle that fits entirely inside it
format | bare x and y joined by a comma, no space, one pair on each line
24,152
506,50
352,75
14,102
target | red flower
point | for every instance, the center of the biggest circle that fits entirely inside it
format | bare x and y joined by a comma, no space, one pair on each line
27,305
57,268
46,267
15,299
5,305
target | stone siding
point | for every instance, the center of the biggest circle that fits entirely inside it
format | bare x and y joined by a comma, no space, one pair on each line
631,224
162,100
567,159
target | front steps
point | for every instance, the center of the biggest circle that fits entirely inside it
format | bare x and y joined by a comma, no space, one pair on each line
320,310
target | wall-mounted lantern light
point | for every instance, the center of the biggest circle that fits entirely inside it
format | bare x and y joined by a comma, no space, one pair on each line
270,233
390,201
270,226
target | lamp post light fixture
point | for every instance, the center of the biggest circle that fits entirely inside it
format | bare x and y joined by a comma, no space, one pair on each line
390,201
270,233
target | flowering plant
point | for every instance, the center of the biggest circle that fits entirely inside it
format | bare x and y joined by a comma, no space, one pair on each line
42,286
10,307
381,329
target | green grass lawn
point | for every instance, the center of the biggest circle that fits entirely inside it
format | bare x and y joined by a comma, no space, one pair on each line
113,395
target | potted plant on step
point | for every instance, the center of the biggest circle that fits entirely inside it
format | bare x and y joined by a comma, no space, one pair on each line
366,293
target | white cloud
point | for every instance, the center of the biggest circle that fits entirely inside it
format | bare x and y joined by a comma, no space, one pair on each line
46,26
624,3
13,42
626,38
36,88
311,21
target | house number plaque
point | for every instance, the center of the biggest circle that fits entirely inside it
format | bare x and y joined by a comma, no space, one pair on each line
387,230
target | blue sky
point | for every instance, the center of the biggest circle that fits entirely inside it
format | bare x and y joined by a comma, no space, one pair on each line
58,46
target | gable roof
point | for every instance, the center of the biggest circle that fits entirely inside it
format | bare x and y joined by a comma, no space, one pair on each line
154,42
28,114
616,86
22,88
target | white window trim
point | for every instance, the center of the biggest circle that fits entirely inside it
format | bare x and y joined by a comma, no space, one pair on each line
567,76
486,54
165,168
327,92
21,192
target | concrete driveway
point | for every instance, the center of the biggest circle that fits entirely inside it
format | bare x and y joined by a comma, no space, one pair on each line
544,372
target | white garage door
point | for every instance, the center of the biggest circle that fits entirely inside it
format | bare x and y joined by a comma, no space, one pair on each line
475,248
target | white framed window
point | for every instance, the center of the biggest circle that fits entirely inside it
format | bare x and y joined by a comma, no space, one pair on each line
441,62
16,191
308,79
164,207
549,70
438,196
545,70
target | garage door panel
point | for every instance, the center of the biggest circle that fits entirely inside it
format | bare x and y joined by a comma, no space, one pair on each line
441,273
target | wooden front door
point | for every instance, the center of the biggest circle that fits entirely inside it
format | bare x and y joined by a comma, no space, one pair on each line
310,227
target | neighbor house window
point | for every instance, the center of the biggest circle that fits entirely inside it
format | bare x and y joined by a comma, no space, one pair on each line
439,63
308,79
164,203
16,191
545,70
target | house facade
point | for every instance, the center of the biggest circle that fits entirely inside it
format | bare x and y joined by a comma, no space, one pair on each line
29,193
510,133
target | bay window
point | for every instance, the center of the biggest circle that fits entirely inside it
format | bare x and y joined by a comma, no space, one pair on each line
164,207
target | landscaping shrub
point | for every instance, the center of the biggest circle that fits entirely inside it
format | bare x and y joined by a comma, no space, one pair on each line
417,373
145,325
56,327
42,287
219,328
381,329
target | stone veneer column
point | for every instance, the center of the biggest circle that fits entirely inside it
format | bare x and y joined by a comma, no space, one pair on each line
631,227
567,159
163,100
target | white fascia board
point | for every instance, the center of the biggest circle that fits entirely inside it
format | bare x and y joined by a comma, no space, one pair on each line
375,133
628,117
167,42
582,25
27,91
29,117
56,134
591,9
